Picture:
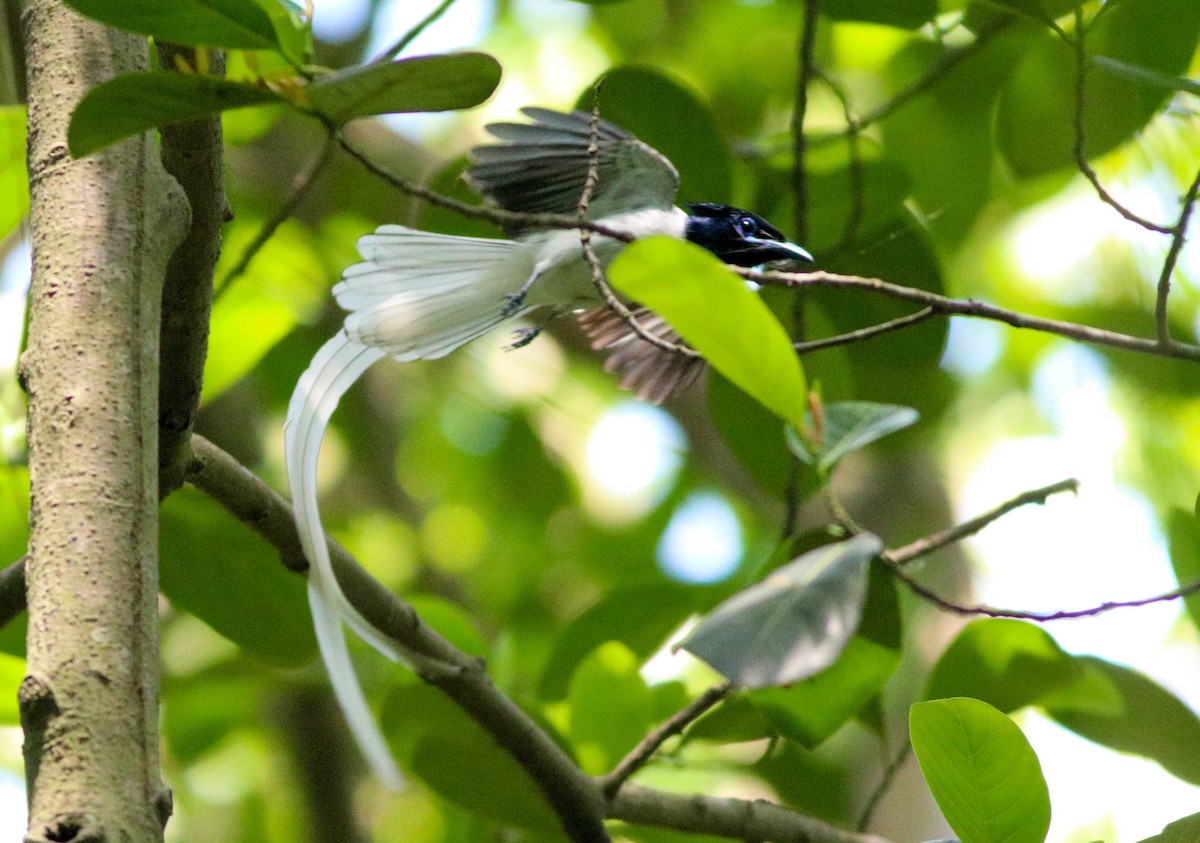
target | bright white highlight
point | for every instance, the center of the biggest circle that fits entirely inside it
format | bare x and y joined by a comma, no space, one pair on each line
634,449
703,540
336,21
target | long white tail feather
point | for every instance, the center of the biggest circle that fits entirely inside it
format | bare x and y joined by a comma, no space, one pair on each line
334,369
420,295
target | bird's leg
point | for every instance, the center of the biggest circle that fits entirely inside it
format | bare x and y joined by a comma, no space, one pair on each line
517,300
526,334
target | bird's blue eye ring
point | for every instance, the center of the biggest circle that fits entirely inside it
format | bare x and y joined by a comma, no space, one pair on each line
747,226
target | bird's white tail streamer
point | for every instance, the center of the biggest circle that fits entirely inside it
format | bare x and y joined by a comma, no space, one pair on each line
334,369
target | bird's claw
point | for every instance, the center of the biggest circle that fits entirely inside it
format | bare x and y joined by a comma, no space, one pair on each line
515,301
523,337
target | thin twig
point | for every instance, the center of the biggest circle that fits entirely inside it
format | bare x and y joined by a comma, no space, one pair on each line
864,333
410,36
881,789
856,172
300,187
589,252
637,757
1178,238
1039,617
927,545
1079,42
980,310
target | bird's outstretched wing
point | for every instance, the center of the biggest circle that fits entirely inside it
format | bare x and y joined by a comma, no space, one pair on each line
652,373
541,167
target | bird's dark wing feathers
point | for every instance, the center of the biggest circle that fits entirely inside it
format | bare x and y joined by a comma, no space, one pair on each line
541,167
652,373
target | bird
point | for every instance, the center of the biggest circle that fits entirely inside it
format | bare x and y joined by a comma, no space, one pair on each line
421,295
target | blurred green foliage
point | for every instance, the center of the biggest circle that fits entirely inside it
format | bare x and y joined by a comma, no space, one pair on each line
470,485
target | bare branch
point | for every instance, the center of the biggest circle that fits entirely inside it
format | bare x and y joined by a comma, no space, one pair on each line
739,819
637,757
1178,238
865,333
927,545
881,788
463,678
804,75
980,310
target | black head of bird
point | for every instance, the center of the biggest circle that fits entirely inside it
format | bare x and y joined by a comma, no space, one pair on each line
739,237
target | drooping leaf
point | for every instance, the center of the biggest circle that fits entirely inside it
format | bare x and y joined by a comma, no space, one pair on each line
1010,664
133,103
714,311
231,24
794,623
981,770
847,427
1183,830
1148,720
235,585
423,83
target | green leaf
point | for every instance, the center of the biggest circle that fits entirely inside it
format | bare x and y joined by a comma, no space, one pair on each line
849,426
231,24
611,707
1148,721
813,709
133,103
425,83
1010,664
1147,76
1185,830
794,623
235,585
640,616
714,311
981,770
1183,541
293,29
14,184
1158,36
905,14
669,116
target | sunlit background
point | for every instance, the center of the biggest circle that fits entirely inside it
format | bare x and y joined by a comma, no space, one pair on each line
1074,552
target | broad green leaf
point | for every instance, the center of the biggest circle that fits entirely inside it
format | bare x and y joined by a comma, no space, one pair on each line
753,433
611,707
640,616
1010,664
1183,541
450,621
293,29
200,711
715,312
133,103
424,83
849,426
982,13
794,623
14,184
235,585
814,708
232,24
1185,830
905,14
981,770
1149,721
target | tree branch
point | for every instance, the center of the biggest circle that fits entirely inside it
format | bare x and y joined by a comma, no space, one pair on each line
637,757
980,310
193,153
805,73
922,547
740,819
864,333
570,793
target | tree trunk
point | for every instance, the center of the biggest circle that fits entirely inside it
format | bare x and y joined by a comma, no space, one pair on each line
102,230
